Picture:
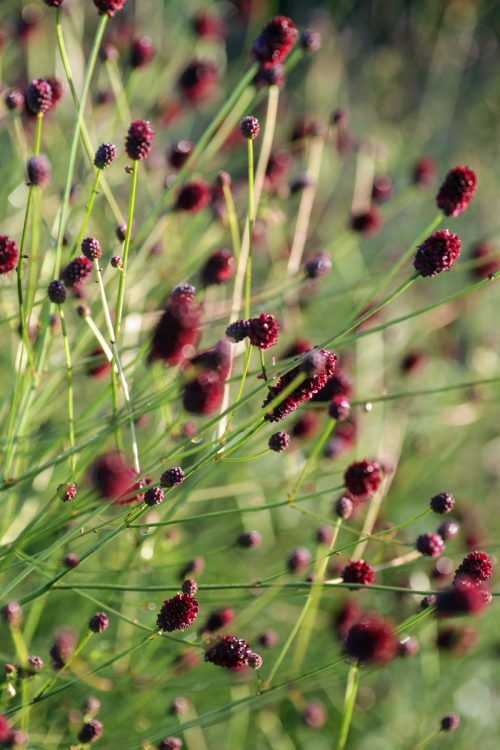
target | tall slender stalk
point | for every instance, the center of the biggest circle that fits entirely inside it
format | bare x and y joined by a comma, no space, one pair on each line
69,377
349,701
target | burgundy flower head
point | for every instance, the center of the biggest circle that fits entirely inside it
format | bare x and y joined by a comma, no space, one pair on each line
339,408
8,254
76,272
139,139
457,191
358,571
298,560
344,507
172,477
203,395
229,652
367,222
39,171
39,96
114,479
275,41
237,331
91,730
193,197
448,529
279,442
437,253
249,539
424,171
177,613
219,619
105,155
466,597
99,622
179,153
141,52
178,329
317,266
338,385
14,100
362,478
207,25
250,128
450,723
109,6
442,503
12,614
314,715
154,496
475,568
170,743
431,545
218,268
303,392
371,641
62,648
216,359
91,248
310,41
263,331
198,80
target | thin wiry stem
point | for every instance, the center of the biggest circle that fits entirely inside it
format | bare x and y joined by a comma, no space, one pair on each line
349,701
69,377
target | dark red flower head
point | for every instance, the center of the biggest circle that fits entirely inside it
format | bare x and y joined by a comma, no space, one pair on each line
339,408
203,395
358,571
216,359
39,96
371,641
344,507
91,730
437,253
56,292
466,597
198,80
362,478
53,3
250,128
229,652
450,723
76,272
317,266
172,477
310,41
207,25
154,496
263,331
249,539
217,620
114,479
279,442
474,569
431,545
237,331
442,503
39,171
448,529
178,329
14,100
193,197
275,41
139,139
109,6
457,191
274,75
141,52
424,171
218,268
304,391
366,222
177,613
99,622
105,155
8,254
91,248
179,153
298,560
170,743
62,648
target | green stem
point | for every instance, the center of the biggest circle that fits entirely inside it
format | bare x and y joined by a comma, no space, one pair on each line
320,443
251,222
90,205
349,701
233,221
123,274
48,685
69,377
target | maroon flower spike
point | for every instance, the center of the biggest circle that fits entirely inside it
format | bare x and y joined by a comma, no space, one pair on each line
424,171
154,496
105,155
207,25
91,248
371,641
14,100
170,743
431,545
298,560
139,139
279,442
437,253
358,571
177,613
442,503
317,266
114,479
339,408
39,96
463,598
109,6
193,197
238,330
39,171
344,507
63,648
274,75
263,331
218,620
275,41
250,128
217,359
203,395
67,491
447,530
178,329
474,569
367,222
218,268
338,385
457,191
172,477
91,730
229,652
179,153
141,52
8,254
99,622
362,478
450,723
303,392
189,586
76,272
198,80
